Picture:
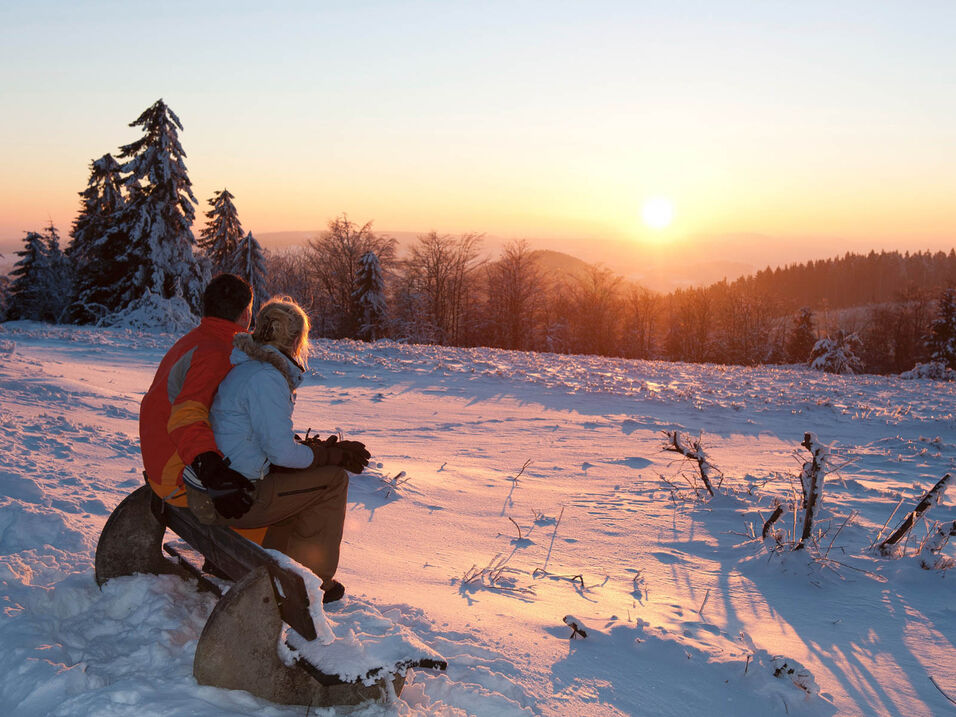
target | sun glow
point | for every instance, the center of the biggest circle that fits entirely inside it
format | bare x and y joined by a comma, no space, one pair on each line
658,212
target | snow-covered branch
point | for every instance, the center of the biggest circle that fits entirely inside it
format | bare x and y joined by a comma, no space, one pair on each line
933,496
811,479
692,450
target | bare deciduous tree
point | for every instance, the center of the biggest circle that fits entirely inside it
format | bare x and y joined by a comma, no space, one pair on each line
514,294
642,308
440,276
333,261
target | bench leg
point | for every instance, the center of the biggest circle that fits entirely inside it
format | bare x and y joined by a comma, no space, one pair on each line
131,541
238,650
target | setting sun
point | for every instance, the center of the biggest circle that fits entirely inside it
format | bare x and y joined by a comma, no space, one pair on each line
658,212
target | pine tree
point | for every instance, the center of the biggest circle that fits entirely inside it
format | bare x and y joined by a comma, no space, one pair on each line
157,217
802,336
95,243
838,354
333,261
55,278
369,296
248,262
27,300
941,341
222,232
5,296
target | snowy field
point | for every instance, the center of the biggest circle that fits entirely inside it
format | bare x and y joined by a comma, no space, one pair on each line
685,612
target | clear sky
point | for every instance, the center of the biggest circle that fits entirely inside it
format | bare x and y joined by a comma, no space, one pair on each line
830,123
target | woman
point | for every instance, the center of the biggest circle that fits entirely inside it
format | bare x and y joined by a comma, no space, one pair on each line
300,488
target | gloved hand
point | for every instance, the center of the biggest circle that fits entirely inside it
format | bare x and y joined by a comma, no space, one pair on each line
230,491
351,455
355,455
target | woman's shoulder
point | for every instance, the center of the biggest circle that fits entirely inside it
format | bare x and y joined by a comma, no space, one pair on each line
255,362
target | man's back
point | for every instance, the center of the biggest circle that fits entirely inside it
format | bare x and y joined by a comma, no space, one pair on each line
174,415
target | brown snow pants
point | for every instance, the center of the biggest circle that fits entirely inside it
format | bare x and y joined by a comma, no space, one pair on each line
304,510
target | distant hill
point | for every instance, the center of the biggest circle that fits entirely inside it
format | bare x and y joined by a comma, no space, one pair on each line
557,262
663,274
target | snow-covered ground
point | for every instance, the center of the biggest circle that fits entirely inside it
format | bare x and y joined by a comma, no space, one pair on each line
685,613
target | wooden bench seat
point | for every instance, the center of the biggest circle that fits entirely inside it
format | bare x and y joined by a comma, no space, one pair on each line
238,645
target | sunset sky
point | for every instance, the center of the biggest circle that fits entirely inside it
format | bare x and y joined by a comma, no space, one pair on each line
828,125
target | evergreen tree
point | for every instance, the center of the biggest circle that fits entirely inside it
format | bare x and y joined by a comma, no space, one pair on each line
55,277
839,354
4,295
941,341
369,296
333,262
95,243
222,233
248,262
156,219
27,299
803,336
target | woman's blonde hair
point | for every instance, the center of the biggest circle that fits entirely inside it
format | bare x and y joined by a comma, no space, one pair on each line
282,323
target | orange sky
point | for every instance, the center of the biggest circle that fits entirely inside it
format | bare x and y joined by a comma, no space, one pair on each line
826,127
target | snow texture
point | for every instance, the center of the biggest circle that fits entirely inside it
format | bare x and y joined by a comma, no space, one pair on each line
686,610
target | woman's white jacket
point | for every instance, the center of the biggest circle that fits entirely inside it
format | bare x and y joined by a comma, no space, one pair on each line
251,415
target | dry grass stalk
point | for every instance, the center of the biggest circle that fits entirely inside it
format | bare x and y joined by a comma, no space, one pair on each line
526,464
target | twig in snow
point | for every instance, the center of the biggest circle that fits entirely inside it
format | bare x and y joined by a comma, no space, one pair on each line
935,543
778,511
569,578
399,479
526,464
575,625
941,690
517,527
932,497
553,535
747,666
880,534
700,611
848,519
492,576
694,452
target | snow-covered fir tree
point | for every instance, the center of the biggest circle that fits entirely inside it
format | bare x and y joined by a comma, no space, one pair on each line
4,295
56,277
248,261
157,217
369,296
95,243
802,337
837,354
222,233
941,341
27,289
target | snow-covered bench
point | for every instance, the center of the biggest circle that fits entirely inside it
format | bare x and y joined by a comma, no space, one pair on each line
239,645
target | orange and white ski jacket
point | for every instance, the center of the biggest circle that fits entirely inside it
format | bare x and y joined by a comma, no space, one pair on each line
174,416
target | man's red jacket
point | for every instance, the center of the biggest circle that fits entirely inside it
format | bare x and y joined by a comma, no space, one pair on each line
174,423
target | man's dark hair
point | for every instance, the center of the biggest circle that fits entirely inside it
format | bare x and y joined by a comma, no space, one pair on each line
226,297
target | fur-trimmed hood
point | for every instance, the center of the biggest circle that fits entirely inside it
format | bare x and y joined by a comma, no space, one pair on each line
246,349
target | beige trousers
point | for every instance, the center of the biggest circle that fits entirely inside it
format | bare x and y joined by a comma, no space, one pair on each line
304,510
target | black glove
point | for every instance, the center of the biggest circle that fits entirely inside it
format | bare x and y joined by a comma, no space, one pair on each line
230,491
355,457
351,455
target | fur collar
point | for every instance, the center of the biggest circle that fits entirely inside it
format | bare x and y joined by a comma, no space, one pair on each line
270,355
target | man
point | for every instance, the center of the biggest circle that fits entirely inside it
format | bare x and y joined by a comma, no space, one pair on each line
174,424
305,519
